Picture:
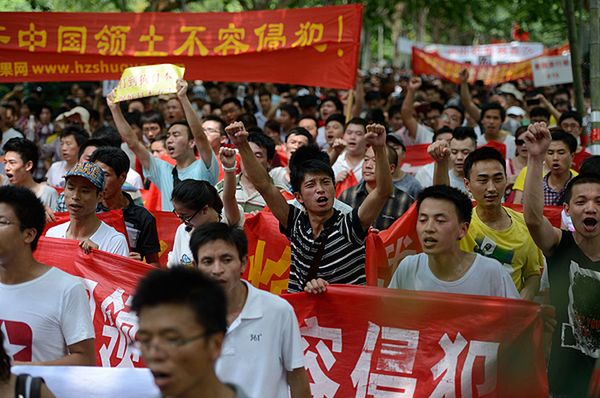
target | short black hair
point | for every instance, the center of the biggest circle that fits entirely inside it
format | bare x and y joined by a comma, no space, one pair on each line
134,118
291,110
195,194
538,111
462,203
459,110
187,287
591,165
394,109
336,117
356,120
273,125
307,101
214,231
231,100
462,133
441,130
183,123
115,158
108,134
311,117
248,119
568,139
299,131
97,142
583,178
571,115
263,141
152,117
392,155
435,106
160,137
376,115
27,207
493,106
336,101
308,159
81,136
27,150
481,154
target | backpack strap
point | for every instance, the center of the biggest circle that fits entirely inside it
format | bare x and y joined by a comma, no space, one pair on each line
21,386
36,387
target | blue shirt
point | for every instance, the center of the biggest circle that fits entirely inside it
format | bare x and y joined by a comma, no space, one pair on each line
161,174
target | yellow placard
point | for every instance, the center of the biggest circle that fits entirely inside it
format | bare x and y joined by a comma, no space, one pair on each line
146,81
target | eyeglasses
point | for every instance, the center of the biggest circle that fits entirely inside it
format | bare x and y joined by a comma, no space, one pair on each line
519,142
167,344
186,219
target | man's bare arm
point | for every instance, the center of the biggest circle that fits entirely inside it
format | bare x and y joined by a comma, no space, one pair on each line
195,123
530,288
465,96
298,381
407,111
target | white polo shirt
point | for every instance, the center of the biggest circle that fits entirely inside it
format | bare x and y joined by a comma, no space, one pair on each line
261,345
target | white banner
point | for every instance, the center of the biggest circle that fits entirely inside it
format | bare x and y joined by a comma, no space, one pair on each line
548,71
488,54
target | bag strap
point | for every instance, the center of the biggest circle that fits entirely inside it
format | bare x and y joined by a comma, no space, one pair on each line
36,387
21,386
176,179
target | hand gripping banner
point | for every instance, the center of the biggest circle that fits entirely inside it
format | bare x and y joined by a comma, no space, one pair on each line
310,46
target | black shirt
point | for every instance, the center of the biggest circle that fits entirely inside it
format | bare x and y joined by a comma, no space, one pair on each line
575,292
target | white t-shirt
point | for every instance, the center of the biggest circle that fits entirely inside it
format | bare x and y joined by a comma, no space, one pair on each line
341,164
106,237
425,178
56,173
181,253
261,345
49,196
424,136
41,317
509,143
486,277
134,179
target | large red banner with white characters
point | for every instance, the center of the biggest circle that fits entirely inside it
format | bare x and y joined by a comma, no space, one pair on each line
374,342
358,341
311,46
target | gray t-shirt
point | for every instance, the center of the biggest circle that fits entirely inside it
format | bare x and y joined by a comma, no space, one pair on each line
409,184
486,277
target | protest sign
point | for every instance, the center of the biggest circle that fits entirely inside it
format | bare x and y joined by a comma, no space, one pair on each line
146,81
549,71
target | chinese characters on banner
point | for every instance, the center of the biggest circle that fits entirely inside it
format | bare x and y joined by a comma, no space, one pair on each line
548,71
358,341
431,64
260,46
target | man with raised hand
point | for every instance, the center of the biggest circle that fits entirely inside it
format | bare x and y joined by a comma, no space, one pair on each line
573,264
327,246
182,136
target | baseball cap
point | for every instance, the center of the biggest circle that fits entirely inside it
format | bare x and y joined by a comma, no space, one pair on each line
508,88
395,138
83,113
90,171
515,111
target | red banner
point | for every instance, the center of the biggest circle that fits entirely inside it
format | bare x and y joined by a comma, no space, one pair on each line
110,280
415,157
258,46
424,63
359,341
369,342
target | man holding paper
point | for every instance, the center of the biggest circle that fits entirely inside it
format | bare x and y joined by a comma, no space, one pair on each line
181,138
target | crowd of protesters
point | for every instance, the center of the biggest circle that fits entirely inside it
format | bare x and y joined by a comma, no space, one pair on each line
330,172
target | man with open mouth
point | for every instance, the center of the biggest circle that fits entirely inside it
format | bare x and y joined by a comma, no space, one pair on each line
327,246
573,269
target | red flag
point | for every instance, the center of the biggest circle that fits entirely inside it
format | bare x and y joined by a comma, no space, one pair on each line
166,224
500,147
415,157
348,182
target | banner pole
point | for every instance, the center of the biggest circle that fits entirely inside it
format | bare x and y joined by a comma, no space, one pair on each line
349,105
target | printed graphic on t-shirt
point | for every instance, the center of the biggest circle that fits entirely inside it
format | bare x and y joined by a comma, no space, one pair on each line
487,247
582,333
18,340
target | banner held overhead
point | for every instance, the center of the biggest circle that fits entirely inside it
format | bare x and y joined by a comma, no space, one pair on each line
311,46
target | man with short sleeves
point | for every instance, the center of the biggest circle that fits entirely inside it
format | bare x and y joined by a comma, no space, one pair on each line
182,136
262,351
44,312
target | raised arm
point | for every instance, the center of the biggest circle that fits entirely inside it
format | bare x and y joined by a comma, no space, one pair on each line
127,134
407,111
371,206
440,153
230,206
465,96
195,123
544,103
545,236
257,174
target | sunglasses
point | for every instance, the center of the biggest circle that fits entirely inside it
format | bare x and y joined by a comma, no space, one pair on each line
519,142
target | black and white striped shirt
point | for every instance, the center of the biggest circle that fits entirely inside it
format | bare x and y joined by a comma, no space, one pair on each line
343,259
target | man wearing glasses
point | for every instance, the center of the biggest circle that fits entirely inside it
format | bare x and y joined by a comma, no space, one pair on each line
262,351
182,324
